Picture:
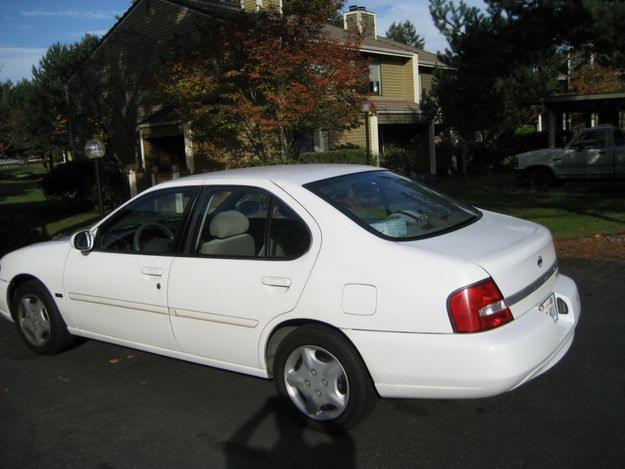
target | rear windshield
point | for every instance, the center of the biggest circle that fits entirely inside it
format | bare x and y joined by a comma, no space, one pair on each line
393,207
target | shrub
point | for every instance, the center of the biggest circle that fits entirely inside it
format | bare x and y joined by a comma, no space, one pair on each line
17,231
343,155
400,160
75,182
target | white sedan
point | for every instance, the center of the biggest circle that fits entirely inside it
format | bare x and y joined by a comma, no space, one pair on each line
340,282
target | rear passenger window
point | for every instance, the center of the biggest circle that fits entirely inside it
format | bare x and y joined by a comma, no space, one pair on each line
288,235
234,223
249,223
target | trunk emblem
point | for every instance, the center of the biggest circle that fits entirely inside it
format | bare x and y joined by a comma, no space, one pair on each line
540,261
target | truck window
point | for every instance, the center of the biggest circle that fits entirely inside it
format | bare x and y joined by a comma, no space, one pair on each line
591,139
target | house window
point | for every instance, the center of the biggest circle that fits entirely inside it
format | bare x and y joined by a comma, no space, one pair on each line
375,77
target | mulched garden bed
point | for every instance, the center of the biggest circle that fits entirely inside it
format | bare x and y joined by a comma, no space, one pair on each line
604,247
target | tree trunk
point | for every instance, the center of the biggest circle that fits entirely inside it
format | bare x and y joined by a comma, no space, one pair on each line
465,159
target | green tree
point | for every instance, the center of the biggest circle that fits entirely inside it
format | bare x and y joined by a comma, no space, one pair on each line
49,117
606,32
405,33
499,63
16,104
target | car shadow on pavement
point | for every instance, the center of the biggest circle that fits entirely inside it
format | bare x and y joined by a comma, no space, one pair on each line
291,448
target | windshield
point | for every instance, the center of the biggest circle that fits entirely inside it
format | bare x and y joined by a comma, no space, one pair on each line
393,207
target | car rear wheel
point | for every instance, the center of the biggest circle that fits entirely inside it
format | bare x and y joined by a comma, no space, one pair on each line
323,378
38,320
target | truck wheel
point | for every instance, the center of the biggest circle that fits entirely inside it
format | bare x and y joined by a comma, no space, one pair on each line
541,178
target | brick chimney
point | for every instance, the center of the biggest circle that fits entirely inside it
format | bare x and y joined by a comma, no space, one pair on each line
360,21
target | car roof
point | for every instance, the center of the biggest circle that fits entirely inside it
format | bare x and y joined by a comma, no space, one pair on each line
297,174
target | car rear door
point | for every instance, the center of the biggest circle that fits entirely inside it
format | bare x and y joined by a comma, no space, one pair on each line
223,292
119,289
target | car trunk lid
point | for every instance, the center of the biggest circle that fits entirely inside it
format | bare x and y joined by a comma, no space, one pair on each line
519,255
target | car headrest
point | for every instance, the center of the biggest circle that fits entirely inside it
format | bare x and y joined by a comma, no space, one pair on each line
248,207
228,224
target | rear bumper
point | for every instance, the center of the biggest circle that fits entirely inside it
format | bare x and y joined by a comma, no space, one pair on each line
4,307
485,364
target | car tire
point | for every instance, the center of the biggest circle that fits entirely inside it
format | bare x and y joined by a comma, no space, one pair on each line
336,392
38,319
541,178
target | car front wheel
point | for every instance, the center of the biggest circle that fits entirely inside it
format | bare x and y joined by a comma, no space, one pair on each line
323,378
38,320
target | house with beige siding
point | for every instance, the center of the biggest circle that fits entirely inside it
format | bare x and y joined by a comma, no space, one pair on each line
399,78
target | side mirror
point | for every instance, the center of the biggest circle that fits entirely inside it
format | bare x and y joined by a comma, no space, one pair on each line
82,241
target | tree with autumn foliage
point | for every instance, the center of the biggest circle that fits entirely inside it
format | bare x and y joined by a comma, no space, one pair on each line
262,83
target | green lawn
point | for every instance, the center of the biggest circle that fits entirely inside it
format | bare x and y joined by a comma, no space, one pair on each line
21,193
571,210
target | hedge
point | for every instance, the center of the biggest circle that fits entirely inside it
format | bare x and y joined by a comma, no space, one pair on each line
344,155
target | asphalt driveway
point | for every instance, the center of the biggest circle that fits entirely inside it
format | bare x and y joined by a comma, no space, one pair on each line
104,406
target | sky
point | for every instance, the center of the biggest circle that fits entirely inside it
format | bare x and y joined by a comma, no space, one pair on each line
28,27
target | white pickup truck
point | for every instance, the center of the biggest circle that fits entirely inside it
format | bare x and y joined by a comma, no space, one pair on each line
597,153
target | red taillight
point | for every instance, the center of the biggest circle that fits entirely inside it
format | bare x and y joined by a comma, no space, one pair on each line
478,308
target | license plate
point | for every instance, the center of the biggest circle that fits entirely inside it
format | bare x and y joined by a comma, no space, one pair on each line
550,307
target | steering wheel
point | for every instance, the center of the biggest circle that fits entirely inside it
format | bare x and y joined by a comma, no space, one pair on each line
137,238
418,217
111,239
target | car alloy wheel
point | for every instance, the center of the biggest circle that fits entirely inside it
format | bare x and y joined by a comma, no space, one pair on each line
316,382
38,319
34,320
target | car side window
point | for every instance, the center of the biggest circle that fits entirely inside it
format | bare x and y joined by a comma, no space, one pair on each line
249,223
289,236
619,138
233,223
148,225
592,140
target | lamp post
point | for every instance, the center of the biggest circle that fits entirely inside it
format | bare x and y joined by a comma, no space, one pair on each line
94,149
366,108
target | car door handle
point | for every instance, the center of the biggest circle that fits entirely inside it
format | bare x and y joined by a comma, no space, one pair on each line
152,271
276,282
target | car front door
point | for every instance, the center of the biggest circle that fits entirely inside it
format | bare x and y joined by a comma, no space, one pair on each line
248,262
588,156
119,289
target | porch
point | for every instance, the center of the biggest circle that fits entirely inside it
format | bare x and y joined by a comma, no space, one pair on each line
564,115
